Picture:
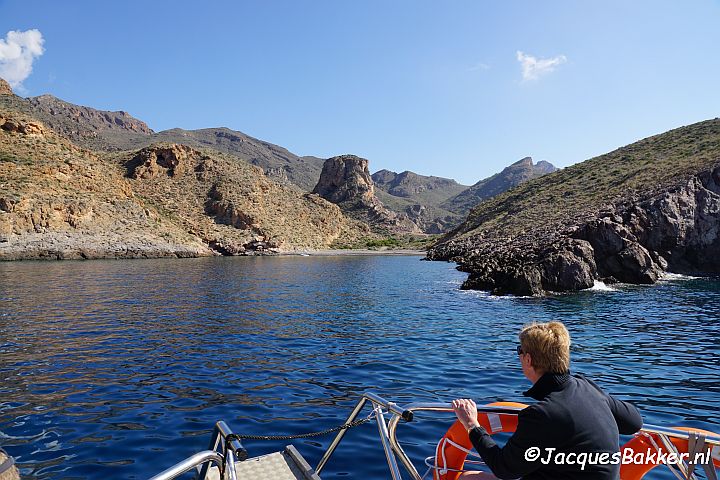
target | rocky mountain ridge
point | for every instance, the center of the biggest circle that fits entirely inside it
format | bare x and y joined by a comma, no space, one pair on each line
511,176
100,130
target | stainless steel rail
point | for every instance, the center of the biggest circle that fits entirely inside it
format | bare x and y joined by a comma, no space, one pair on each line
190,463
377,401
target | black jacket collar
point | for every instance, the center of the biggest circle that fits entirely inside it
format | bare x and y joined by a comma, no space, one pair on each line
548,383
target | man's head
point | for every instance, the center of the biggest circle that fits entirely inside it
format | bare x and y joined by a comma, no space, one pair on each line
544,348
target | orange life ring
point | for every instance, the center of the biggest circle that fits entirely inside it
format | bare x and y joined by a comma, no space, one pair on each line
449,459
642,442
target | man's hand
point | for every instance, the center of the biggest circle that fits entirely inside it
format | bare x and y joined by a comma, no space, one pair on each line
466,412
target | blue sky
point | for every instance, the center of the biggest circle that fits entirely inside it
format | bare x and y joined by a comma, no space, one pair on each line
433,87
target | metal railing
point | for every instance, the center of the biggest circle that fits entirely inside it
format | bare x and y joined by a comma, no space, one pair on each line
394,451
223,454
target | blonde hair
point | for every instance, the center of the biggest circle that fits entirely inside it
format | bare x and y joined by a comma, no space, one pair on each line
548,345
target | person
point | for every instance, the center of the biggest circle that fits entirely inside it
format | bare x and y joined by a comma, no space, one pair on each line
8,471
572,416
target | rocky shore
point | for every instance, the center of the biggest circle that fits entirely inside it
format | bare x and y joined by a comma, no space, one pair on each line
634,241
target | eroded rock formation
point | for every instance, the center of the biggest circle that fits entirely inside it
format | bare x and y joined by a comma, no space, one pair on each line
345,180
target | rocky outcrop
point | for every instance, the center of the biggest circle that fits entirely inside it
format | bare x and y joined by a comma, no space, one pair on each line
233,206
5,88
345,180
13,125
633,241
625,216
169,160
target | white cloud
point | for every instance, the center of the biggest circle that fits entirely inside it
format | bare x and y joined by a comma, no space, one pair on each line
478,67
533,67
18,50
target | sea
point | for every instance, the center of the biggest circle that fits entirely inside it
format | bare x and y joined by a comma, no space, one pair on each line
120,368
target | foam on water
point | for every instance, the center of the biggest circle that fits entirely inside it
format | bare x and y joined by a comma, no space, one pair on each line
668,277
600,286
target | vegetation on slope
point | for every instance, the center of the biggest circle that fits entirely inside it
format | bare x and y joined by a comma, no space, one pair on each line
578,192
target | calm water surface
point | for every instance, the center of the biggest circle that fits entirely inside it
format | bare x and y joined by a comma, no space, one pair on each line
119,369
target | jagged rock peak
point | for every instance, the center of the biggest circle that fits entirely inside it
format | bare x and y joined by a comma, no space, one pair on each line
527,161
345,178
5,88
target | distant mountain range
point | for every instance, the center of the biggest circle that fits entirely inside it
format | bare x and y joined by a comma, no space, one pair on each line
108,131
437,204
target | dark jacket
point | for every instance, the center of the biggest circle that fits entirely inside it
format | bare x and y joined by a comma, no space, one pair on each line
572,415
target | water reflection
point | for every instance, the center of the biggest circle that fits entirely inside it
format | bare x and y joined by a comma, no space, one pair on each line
120,368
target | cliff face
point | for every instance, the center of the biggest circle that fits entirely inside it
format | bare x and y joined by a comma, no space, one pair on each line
232,206
627,216
345,180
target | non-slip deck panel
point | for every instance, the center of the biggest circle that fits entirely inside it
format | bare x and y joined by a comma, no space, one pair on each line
285,465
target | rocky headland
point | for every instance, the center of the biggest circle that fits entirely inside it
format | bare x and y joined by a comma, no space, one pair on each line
627,216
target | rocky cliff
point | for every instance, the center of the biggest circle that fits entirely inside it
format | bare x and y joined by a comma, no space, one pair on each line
626,216
61,201
345,180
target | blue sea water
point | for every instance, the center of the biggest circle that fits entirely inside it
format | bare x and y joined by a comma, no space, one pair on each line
119,369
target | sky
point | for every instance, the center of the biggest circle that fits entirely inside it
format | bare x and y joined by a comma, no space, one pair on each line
457,89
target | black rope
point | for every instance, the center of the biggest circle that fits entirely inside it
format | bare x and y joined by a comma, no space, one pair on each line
235,436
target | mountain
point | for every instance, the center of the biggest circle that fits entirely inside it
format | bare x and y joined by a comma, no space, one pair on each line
627,216
61,200
418,197
413,186
345,180
511,176
111,131
438,204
